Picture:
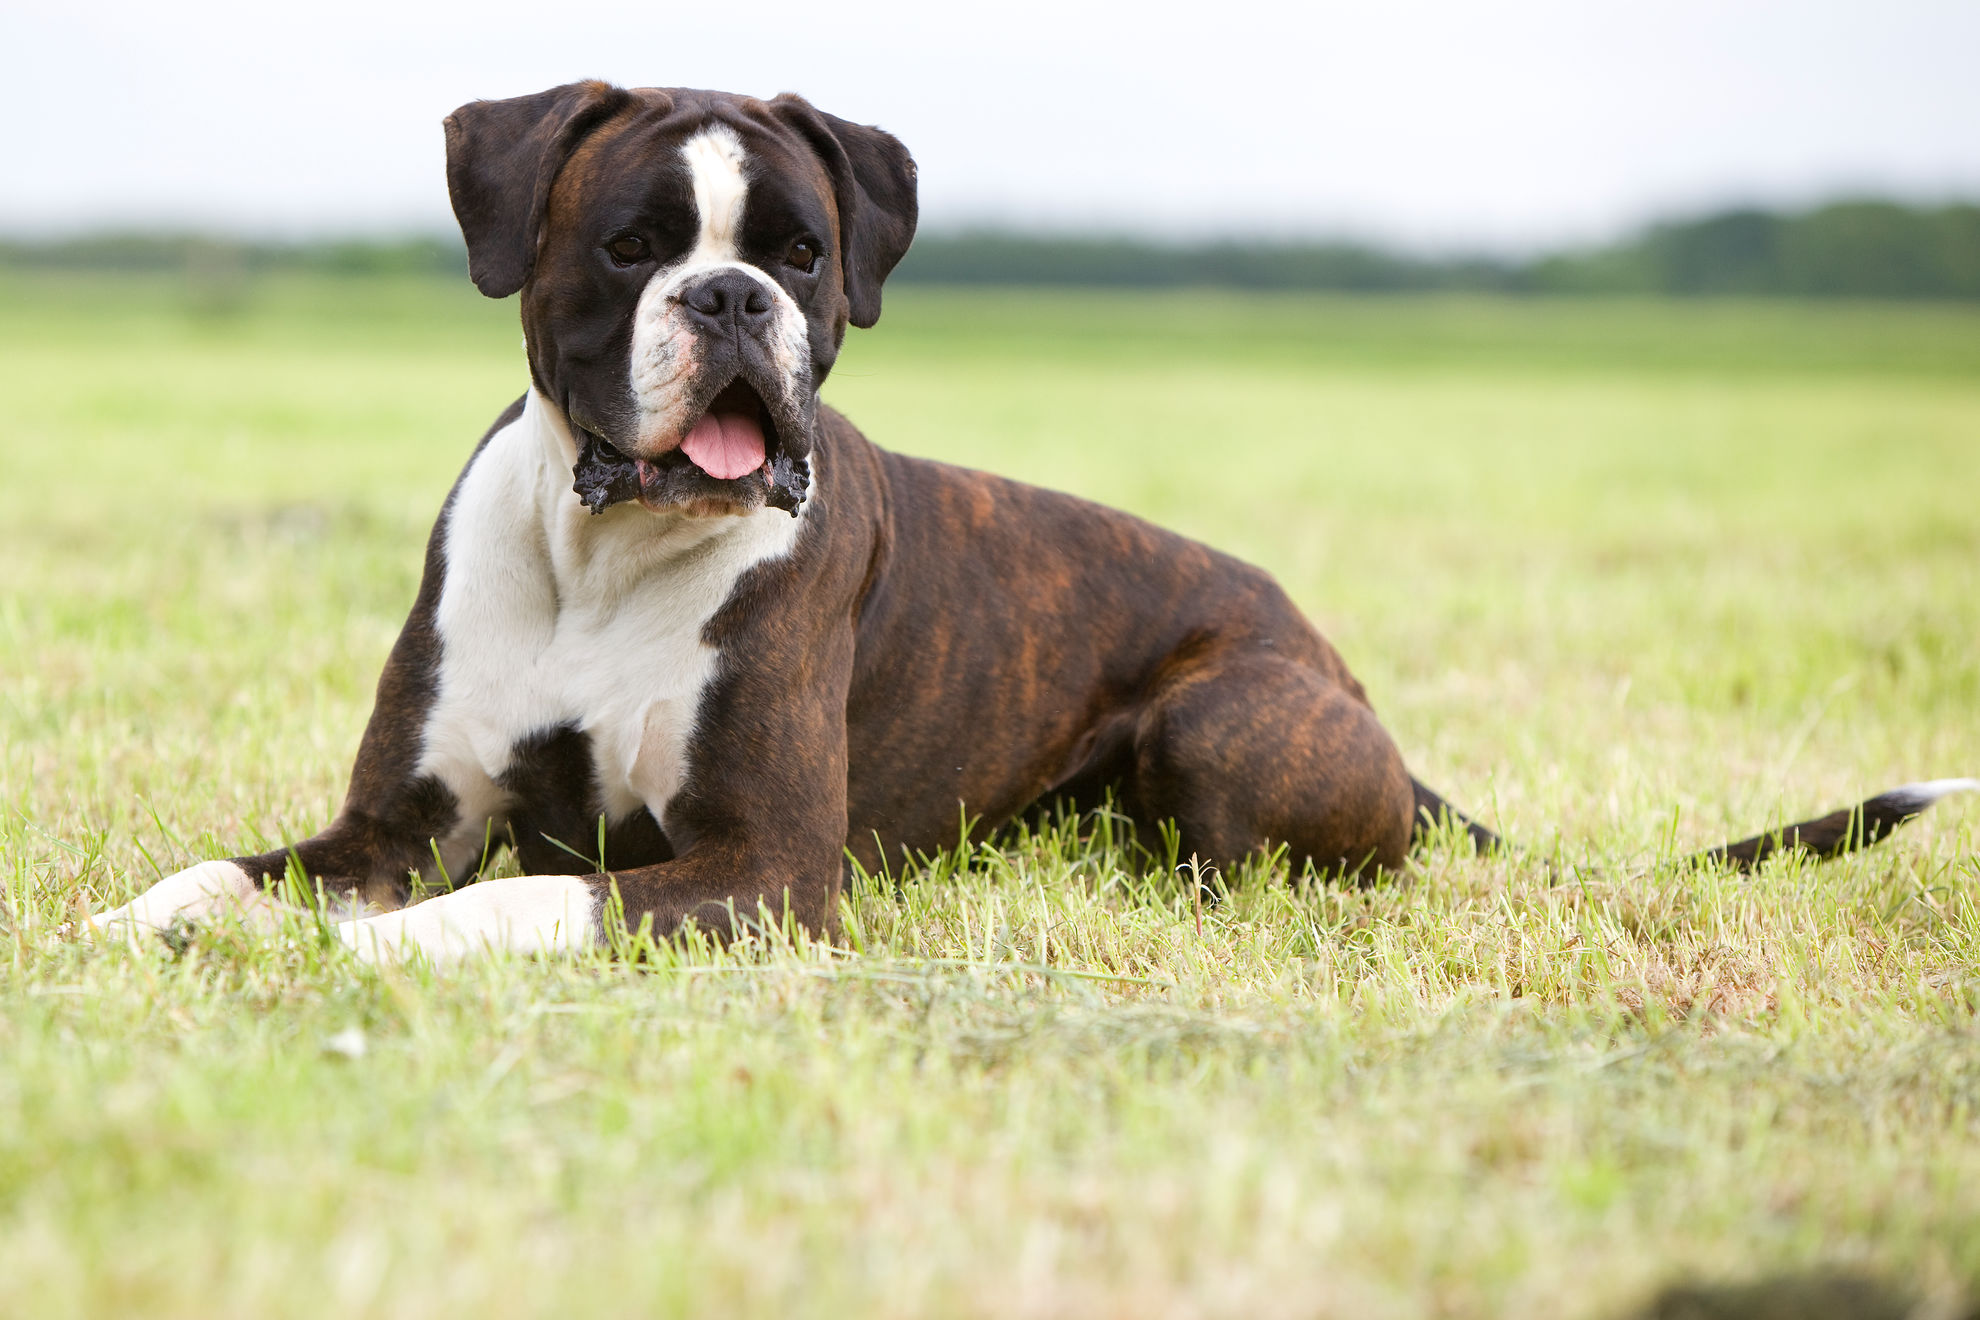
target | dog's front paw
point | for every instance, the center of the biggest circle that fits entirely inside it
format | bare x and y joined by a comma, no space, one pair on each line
519,914
209,889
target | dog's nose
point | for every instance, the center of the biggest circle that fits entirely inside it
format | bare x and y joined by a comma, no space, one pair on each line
729,299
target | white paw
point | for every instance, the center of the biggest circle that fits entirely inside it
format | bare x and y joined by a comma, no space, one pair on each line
523,914
209,889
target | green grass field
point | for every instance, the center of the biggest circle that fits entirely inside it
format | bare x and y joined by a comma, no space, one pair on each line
1623,578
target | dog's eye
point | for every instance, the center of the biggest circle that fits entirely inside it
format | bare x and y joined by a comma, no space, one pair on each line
627,249
802,255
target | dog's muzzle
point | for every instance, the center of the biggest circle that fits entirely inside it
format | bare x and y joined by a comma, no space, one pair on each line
721,370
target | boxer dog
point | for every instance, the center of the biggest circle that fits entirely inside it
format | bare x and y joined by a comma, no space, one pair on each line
684,633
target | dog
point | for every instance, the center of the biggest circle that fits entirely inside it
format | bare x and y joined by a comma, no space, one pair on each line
685,635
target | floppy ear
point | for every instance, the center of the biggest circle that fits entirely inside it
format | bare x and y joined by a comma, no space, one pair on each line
502,157
874,178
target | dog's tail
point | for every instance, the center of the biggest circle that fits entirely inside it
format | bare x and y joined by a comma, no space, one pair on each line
1840,831
1432,812
1832,835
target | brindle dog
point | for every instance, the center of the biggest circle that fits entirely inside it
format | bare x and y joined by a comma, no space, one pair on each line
674,593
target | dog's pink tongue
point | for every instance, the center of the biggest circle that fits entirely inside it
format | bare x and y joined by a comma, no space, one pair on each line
725,447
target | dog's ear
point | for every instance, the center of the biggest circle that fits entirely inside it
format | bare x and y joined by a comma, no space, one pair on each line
874,178
502,157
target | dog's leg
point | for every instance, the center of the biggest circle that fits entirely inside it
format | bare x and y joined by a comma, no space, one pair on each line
521,914
194,894
760,833
359,870
718,888
395,818
1248,750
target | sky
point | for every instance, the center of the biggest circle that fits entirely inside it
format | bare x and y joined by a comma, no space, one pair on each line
1436,125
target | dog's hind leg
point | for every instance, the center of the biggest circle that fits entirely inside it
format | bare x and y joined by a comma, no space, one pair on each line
1249,750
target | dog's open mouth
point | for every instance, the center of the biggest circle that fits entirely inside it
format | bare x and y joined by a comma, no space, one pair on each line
730,441
731,461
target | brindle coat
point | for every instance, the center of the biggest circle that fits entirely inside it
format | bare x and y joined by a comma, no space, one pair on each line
935,644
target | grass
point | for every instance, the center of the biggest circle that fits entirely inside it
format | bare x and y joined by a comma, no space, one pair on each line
1624,578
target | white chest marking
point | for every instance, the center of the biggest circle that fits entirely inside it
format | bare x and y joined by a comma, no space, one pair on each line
551,616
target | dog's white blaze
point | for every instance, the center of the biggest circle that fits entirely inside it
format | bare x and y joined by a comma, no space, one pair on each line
551,615
664,342
522,914
198,891
715,159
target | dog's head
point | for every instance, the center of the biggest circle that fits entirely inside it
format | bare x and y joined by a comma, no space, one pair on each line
688,263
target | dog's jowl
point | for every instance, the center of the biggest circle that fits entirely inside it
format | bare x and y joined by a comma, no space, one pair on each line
673,593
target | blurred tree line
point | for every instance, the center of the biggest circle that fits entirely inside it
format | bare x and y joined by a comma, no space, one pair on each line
206,255
1851,249
1855,249
1860,249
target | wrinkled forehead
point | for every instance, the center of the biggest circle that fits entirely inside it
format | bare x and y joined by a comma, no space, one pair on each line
639,169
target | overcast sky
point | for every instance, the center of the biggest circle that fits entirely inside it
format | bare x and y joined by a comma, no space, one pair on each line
1506,125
